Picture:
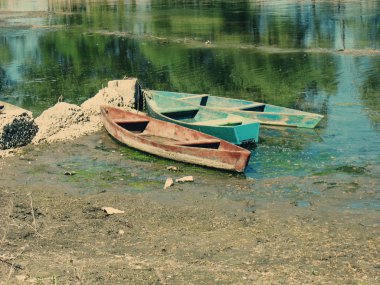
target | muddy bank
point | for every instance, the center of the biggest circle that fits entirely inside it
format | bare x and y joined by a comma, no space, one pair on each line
220,229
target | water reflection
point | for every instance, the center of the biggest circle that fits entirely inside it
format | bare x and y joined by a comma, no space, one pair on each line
318,56
19,5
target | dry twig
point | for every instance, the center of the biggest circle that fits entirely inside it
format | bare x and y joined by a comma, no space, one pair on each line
34,223
6,228
12,265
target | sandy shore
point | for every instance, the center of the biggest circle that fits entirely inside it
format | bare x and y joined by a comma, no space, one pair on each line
63,121
220,229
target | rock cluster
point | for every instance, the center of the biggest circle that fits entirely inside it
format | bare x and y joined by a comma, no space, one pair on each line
17,127
63,121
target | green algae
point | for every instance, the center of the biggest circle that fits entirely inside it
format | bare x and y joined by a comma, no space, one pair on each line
344,169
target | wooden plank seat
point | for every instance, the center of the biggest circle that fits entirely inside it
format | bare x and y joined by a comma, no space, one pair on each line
130,121
198,142
193,96
134,125
220,122
249,106
179,110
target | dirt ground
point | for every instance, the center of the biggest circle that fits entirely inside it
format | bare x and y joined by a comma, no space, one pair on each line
219,229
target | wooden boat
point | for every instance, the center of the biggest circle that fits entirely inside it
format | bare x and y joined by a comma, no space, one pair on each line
232,128
266,114
173,141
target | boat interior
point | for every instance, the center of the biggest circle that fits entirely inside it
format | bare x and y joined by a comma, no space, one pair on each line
138,126
254,107
181,114
223,103
201,117
205,143
180,110
133,125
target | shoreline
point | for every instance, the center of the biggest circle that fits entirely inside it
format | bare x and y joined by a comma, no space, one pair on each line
220,227
63,121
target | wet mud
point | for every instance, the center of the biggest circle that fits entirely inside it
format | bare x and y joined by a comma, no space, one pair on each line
220,229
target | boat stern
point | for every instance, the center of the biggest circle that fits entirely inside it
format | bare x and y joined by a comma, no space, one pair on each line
242,163
247,133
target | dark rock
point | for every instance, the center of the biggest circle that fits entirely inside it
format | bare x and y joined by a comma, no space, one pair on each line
17,127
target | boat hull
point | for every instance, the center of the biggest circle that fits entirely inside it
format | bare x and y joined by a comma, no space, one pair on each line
266,114
172,141
232,128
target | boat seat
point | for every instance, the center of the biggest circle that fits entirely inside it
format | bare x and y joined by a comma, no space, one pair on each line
220,122
249,106
179,110
193,96
200,143
130,121
180,113
134,125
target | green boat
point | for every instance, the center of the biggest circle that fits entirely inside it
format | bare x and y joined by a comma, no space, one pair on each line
264,113
232,128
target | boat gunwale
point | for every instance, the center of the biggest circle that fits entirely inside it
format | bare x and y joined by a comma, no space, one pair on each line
295,112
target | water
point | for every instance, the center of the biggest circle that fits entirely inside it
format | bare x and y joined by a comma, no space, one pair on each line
318,56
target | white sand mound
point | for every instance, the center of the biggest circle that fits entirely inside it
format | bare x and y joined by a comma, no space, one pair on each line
60,122
67,121
119,93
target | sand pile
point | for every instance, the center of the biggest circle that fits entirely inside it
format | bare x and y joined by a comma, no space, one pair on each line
119,93
67,121
61,122
17,127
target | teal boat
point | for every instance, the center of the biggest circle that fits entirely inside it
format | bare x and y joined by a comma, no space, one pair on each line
264,113
232,128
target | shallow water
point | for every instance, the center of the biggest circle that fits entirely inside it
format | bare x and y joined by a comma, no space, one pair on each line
318,56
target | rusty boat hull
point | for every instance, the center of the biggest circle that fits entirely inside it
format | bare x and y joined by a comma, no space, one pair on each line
172,141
